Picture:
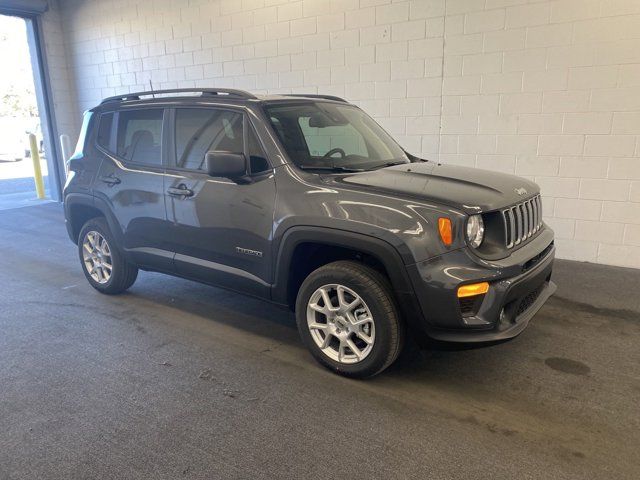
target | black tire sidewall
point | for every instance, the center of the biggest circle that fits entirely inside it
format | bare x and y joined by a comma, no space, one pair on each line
383,321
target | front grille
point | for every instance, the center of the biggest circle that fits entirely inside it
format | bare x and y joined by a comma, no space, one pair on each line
529,300
522,221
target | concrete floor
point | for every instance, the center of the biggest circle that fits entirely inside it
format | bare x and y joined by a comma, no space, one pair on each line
176,379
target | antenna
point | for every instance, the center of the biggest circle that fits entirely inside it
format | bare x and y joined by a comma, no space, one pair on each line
151,86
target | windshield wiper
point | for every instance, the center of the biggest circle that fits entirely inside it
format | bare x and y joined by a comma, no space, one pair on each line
389,164
331,168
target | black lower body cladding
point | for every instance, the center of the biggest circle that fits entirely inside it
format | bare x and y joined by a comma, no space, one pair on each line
519,286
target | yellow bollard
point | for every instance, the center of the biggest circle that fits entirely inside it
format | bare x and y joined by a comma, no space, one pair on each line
37,172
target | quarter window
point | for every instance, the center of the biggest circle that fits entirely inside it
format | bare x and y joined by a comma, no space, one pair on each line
199,130
104,130
140,136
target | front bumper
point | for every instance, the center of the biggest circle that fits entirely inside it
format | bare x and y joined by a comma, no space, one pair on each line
519,286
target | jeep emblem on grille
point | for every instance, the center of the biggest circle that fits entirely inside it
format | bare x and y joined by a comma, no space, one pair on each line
521,191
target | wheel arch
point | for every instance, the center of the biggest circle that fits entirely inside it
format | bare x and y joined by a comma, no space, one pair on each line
79,208
303,249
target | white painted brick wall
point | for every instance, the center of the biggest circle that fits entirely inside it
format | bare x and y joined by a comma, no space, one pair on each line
549,90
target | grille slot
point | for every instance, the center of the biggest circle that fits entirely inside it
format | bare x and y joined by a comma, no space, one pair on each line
522,221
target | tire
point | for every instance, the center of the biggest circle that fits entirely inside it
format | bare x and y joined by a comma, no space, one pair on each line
123,274
377,315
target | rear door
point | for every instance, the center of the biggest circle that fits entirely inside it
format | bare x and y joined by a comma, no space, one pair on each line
131,181
220,228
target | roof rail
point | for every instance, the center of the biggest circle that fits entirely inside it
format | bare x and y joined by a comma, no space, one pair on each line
231,92
313,95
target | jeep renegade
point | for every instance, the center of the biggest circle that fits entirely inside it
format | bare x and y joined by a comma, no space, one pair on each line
305,201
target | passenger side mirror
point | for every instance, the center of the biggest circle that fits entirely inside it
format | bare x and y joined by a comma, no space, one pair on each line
226,164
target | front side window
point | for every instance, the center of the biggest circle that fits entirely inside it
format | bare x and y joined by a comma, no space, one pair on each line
140,136
322,135
200,130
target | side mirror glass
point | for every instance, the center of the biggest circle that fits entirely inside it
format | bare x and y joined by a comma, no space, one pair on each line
226,164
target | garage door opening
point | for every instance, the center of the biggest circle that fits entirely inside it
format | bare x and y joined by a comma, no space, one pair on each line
19,117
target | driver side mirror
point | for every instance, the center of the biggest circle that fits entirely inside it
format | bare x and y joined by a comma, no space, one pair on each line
226,164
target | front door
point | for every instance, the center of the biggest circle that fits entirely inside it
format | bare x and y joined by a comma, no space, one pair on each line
220,228
131,182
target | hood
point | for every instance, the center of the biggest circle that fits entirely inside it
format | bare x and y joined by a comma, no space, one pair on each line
471,190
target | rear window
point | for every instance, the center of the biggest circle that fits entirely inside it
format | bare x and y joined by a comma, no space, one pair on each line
140,136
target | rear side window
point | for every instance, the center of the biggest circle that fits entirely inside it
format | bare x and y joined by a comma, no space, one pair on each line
199,130
104,130
140,136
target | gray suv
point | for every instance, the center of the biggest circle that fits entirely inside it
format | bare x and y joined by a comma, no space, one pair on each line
306,202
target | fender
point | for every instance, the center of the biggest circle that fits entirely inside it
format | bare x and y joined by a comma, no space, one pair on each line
84,199
373,246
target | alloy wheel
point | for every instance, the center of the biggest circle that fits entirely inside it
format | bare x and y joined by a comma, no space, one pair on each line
96,255
340,323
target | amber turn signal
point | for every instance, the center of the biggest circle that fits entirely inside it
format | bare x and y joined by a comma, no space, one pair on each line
444,227
473,289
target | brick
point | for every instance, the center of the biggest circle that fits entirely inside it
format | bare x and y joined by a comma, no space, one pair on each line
560,144
601,189
610,145
477,144
517,144
629,75
461,85
587,123
559,187
525,60
624,212
391,51
570,101
543,81
414,30
632,235
620,99
626,123
454,124
535,165
302,26
484,21
583,167
407,69
504,40
375,35
571,10
571,249
289,11
423,125
358,55
331,22
499,124
548,123
482,63
577,209
463,44
591,230
363,17
548,36
463,6
394,89
497,163
422,9
581,78
528,15
520,103
624,168
570,56
620,255
405,107
429,47
392,13
502,83
376,71
562,227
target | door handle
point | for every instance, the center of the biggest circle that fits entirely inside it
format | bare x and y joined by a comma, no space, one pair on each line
180,191
110,180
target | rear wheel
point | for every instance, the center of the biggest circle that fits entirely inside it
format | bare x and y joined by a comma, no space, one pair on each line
348,319
103,264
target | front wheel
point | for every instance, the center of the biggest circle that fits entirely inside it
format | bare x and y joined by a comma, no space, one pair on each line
103,264
347,318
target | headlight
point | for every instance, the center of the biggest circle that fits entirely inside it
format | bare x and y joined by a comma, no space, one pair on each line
475,230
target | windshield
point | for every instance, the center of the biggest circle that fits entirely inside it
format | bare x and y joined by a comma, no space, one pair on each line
328,136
